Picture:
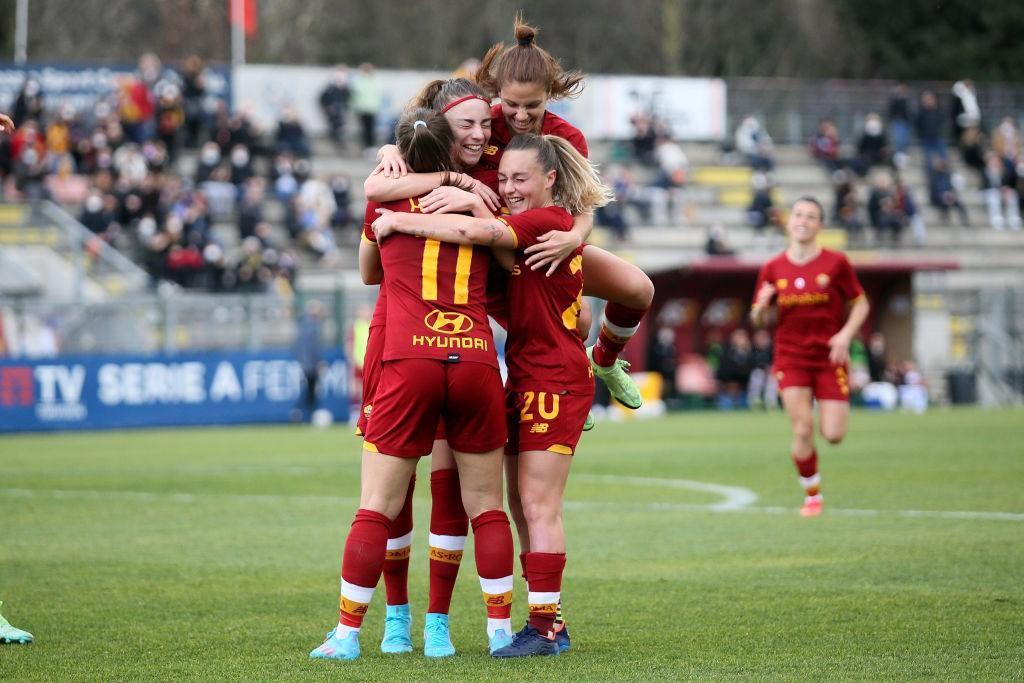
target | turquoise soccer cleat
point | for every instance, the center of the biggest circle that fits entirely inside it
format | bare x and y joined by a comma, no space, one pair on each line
397,630
10,634
618,381
500,639
346,648
437,639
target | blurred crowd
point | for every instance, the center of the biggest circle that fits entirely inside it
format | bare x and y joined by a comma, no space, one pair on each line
117,167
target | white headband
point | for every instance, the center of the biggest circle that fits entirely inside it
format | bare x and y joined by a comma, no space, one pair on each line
419,122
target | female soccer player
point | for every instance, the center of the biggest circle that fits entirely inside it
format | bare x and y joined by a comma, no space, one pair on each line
544,182
811,287
525,77
439,364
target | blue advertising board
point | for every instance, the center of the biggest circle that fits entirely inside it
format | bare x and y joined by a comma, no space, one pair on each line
106,392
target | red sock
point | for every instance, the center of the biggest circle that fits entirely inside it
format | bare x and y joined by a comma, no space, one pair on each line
361,564
522,563
545,580
618,326
448,528
396,559
494,561
808,470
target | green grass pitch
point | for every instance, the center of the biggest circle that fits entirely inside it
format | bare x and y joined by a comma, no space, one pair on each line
213,554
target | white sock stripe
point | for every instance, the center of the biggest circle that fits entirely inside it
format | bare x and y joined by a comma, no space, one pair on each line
496,586
616,331
813,480
447,542
355,593
544,598
400,542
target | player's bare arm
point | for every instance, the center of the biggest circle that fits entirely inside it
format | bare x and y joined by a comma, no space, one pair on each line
839,343
6,124
457,229
762,302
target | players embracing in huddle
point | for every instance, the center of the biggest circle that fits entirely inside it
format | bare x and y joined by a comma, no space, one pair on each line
434,386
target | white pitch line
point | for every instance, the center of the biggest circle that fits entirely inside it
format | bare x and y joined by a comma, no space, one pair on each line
735,497
727,506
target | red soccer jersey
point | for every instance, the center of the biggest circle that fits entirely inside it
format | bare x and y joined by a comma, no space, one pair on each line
380,309
543,351
812,300
436,297
501,135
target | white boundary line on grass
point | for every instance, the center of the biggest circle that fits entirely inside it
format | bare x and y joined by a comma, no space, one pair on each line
736,499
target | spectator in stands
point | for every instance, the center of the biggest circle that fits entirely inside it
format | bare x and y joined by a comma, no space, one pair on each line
314,207
241,165
644,138
972,151
96,218
884,208
846,212
61,138
136,108
763,388
341,188
899,122
673,167
285,182
929,127
197,119
28,156
966,113
908,208
873,146
754,143
762,211
943,193
367,102
250,207
1007,144
825,146
662,358
1000,190
170,118
130,164
209,159
878,362
613,215
334,101
717,243
291,135
29,103
733,372
307,352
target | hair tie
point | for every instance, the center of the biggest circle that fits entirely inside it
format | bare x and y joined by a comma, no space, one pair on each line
418,123
523,42
463,99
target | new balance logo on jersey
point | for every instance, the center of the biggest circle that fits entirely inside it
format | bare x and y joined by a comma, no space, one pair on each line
448,323
539,428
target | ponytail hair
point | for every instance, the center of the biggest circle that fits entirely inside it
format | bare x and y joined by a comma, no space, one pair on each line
526,62
425,140
578,187
441,93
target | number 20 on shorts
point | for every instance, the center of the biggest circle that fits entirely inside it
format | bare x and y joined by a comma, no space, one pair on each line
547,405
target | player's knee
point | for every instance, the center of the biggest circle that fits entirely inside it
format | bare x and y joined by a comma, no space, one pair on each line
803,430
834,435
539,512
639,291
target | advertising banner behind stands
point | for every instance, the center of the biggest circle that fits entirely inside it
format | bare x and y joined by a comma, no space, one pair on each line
107,392
83,85
694,108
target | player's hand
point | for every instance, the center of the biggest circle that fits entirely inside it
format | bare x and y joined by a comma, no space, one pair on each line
385,224
839,349
491,199
449,199
551,249
765,295
390,163
6,124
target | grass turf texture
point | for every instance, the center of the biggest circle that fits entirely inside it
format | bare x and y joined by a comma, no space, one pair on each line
213,554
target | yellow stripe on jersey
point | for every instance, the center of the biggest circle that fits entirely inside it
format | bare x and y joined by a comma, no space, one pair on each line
367,239
559,448
515,238
431,251
462,267
367,446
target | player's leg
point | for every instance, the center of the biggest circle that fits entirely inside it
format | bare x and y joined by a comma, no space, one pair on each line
449,526
542,476
398,617
384,482
833,420
629,293
799,404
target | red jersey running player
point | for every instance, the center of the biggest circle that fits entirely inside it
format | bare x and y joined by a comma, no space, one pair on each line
439,363
544,182
812,289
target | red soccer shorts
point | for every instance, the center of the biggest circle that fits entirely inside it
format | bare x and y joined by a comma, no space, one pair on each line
415,394
545,421
372,360
827,382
